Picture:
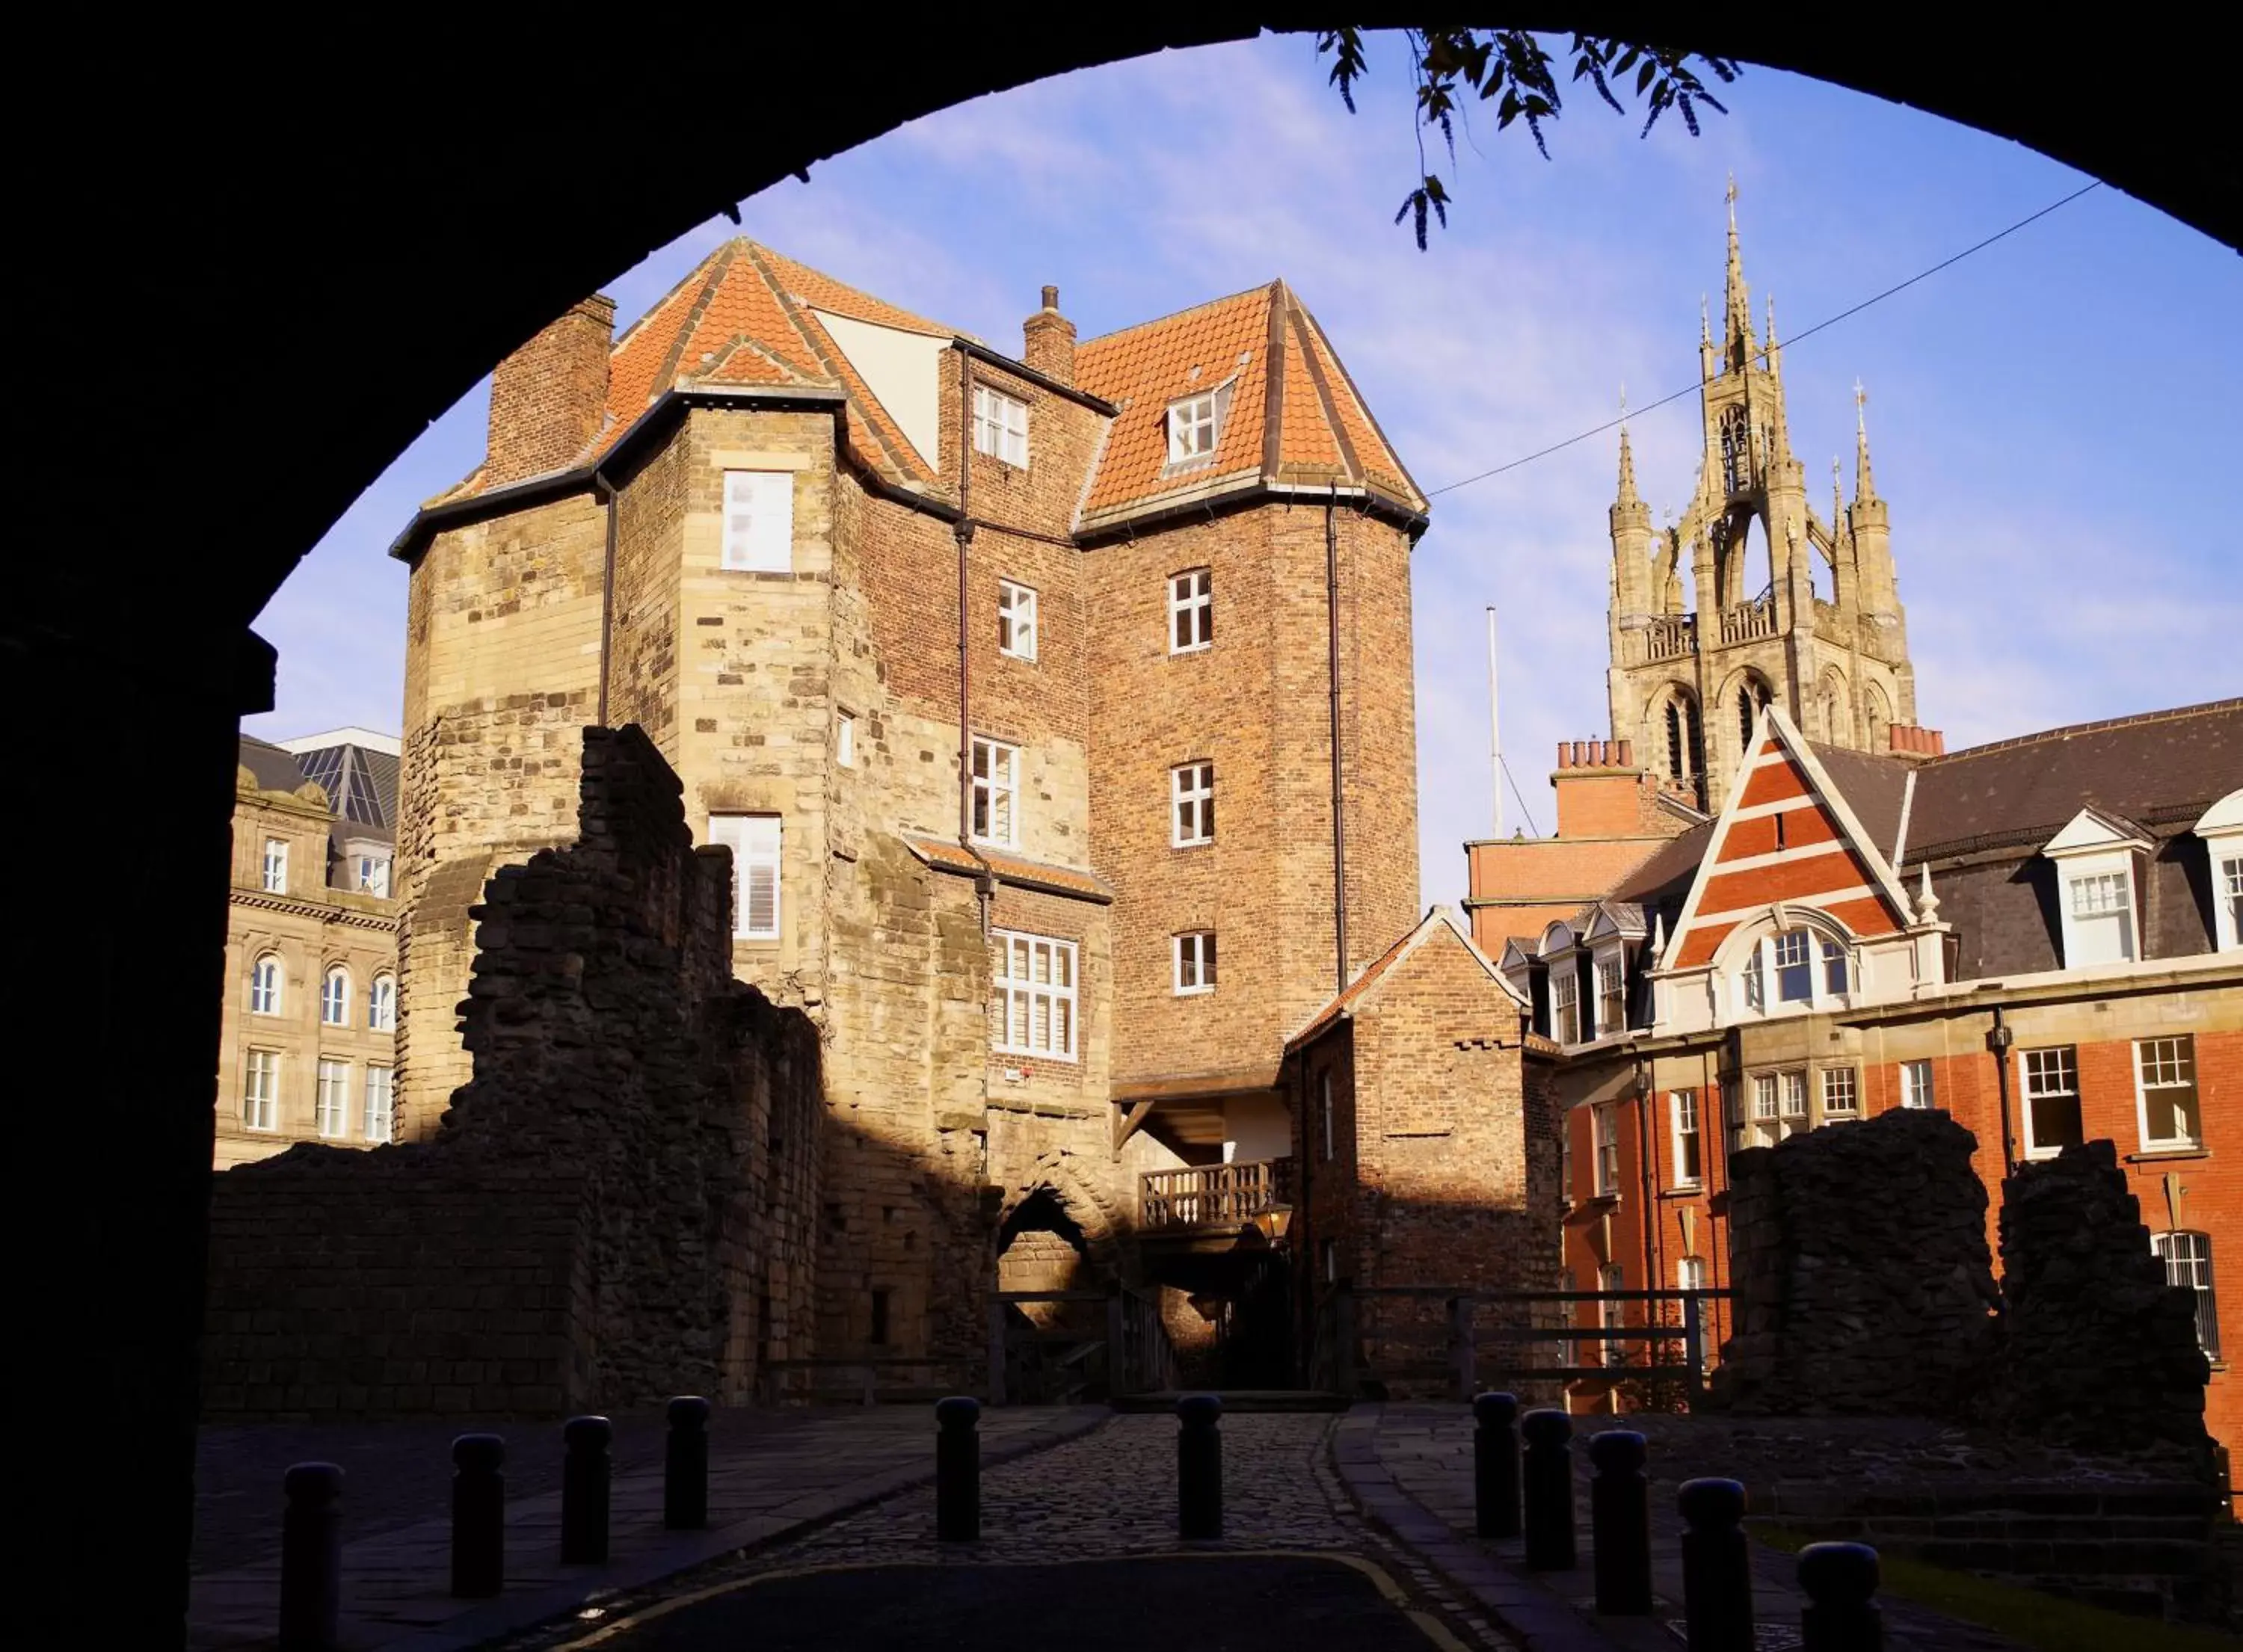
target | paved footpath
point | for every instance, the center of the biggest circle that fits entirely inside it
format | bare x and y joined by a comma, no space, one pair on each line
1410,1468
773,1475
1078,1548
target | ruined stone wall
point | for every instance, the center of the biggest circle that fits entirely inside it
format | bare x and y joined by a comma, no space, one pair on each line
617,1207
2099,1350
1859,1257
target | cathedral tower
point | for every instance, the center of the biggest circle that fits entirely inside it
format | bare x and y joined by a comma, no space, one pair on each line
1752,596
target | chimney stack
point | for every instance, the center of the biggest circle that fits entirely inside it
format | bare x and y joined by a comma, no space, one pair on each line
549,398
1048,341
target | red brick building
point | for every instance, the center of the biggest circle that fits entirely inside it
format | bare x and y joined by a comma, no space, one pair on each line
2040,937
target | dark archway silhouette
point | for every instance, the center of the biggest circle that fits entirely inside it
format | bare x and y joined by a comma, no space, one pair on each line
254,266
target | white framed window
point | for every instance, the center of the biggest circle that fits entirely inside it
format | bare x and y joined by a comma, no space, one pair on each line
1191,791
2102,913
334,1112
1781,969
260,1088
1755,976
1194,962
1792,1092
996,792
1193,428
756,842
265,984
1565,1002
1604,1120
1324,1109
1689,1165
1001,427
1035,1008
1612,996
276,866
335,997
844,739
1841,1093
2187,1258
381,1004
1790,954
2050,1083
1836,976
381,1122
1916,1086
1765,1128
1016,621
1612,1316
2165,1078
2231,902
1191,611
373,875
1690,1273
1565,1165
760,521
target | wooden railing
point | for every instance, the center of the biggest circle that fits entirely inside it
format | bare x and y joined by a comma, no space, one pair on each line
1212,1195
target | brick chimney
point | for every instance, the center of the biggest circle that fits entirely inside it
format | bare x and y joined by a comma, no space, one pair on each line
1048,341
549,398
1601,793
1915,744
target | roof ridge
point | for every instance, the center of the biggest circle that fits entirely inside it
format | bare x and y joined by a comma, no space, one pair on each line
1362,404
942,328
1267,289
719,269
2132,720
720,250
793,313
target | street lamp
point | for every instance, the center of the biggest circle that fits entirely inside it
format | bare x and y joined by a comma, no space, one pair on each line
1271,1220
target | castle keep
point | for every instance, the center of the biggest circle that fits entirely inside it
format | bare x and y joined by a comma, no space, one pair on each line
1056,710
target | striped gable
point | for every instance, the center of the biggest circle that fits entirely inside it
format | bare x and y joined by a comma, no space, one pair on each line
1786,836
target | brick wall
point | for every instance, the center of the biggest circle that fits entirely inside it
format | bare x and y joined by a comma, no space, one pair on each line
617,1207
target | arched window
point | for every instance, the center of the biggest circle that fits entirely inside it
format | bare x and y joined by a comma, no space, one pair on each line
1781,970
334,997
1736,450
1880,719
1751,698
1677,768
1837,724
381,1004
264,985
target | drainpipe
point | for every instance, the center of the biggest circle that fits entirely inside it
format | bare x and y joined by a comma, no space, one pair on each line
1643,1138
985,880
607,491
1339,825
1998,1041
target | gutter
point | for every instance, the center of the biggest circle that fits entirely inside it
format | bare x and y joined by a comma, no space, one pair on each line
1373,505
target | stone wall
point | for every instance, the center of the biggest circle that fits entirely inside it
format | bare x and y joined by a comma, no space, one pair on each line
2099,1351
617,1207
1859,1257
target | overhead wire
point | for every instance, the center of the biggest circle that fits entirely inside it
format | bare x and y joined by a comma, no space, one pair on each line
1797,337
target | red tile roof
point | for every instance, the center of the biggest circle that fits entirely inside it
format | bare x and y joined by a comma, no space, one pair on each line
950,855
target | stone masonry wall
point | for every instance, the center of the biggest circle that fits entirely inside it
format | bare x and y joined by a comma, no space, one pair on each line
2099,1351
1859,1257
617,1207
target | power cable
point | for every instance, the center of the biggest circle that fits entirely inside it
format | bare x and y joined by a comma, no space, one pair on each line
1795,339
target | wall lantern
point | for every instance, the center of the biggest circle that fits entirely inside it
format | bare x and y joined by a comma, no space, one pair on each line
1273,1219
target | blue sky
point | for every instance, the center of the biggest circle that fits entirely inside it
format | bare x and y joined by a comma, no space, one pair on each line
2054,420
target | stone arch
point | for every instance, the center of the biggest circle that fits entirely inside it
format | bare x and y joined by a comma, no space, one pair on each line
1055,1191
1674,734
1745,692
1877,711
1835,707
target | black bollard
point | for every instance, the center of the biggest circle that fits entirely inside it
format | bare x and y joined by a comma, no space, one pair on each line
1717,1603
957,1470
311,1557
1838,1580
1199,1466
1546,1478
685,1466
584,1491
478,1516
1495,1464
1619,1522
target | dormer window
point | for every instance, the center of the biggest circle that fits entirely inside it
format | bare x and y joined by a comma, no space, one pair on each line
2101,907
1195,427
1612,995
2096,889
2221,829
1782,968
1566,1003
1001,427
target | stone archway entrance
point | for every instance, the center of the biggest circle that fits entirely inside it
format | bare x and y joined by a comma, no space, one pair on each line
1050,1313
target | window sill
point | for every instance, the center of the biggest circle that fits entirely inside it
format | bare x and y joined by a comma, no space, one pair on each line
1191,993
2162,1155
756,940
1196,842
1684,1190
1007,654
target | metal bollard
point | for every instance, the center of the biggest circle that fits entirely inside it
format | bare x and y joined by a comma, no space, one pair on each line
1839,1579
1717,1603
311,1557
1199,1466
685,1466
478,1516
1495,1464
584,1474
1619,1522
1546,1478
957,1470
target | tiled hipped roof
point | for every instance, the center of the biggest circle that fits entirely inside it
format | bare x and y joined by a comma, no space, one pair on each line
747,316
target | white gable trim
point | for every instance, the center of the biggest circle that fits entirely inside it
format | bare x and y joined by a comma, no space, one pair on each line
2223,818
2089,830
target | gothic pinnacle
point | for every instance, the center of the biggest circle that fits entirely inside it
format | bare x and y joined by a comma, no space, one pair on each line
1628,493
1864,487
1738,304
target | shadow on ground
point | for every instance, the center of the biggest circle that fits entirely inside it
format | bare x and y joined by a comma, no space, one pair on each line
1218,1603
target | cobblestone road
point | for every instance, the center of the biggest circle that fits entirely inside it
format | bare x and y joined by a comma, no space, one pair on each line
1109,1494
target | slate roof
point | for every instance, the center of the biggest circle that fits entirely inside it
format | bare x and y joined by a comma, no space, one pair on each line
949,856
275,770
747,315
